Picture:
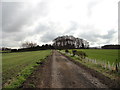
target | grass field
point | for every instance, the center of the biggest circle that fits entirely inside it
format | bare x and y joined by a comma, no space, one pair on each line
13,64
102,54
4,51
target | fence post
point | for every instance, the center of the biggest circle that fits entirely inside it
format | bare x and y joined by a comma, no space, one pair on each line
116,66
109,66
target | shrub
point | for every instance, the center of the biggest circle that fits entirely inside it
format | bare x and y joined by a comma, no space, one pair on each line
81,54
74,52
66,51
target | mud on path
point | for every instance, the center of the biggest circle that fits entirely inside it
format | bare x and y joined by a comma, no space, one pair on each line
60,72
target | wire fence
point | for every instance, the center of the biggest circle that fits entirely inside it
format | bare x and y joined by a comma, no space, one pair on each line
115,66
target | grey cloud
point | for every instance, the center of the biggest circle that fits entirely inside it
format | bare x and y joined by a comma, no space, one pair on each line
48,36
94,37
41,28
15,16
90,6
15,36
109,35
9,16
0,25
47,31
9,43
89,36
19,37
73,27
119,22
50,33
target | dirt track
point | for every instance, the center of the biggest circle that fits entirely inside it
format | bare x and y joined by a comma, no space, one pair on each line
60,72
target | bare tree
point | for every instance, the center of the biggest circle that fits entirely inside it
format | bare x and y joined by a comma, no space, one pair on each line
28,44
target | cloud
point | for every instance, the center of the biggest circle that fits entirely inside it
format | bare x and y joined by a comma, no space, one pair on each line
17,18
93,37
12,20
119,22
91,5
16,15
48,37
41,21
109,34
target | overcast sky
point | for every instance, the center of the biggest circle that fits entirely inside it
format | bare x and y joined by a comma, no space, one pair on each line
41,21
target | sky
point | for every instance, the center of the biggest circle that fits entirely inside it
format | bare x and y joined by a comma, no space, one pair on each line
41,21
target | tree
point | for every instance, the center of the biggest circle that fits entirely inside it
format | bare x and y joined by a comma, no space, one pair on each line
28,44
83,46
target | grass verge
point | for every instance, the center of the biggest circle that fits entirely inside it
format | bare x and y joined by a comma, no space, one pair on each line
105,55
106,72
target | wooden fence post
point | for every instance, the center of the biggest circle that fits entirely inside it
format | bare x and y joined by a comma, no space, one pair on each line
116,66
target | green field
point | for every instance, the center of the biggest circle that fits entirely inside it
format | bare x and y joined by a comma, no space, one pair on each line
4,51
102,54
13,64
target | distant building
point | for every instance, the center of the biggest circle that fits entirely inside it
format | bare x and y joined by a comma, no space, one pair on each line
69,42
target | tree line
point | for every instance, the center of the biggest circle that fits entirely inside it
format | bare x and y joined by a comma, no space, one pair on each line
111,47
34,48
29,46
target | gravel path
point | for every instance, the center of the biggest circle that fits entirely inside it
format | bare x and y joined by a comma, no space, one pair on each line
60,72
66,74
